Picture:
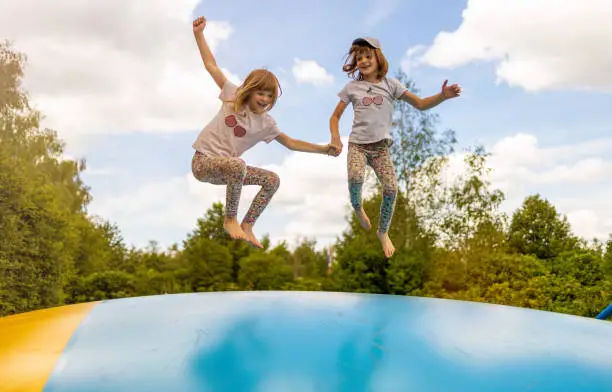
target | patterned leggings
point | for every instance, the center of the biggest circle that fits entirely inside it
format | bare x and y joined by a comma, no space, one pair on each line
235,173
377,156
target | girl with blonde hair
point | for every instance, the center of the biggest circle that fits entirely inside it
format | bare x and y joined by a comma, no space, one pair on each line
242,121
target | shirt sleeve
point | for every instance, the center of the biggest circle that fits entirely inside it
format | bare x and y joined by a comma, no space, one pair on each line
228,92
398,88
344,94
272,130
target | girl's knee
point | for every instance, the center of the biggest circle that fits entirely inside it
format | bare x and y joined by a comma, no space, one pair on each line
198,167
239,163
355,177
389,192
239,167
273,181
390,189
390,186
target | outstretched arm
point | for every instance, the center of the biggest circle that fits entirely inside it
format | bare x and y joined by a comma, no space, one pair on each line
300,145
434,100
207,57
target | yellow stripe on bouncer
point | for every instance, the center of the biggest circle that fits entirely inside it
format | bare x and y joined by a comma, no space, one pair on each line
31,343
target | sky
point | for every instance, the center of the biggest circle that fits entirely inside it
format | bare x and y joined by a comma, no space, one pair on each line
123,85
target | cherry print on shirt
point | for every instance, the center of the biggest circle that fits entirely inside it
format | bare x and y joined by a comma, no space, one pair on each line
239,131
378,100
231,122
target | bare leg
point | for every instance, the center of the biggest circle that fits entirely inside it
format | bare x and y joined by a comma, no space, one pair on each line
356,164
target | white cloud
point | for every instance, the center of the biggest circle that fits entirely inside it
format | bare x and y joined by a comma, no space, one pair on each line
410,59
309,71
589,224
114,66
520,158
536,44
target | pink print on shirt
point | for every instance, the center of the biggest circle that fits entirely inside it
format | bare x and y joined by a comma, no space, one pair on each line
231,122
378,100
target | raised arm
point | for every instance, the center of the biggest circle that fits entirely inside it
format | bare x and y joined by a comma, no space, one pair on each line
434,100
207,57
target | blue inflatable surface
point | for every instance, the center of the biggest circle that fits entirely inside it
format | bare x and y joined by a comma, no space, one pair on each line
323,342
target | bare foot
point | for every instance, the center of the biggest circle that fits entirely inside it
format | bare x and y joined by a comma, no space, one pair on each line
233,229
363,219
386,243
248,230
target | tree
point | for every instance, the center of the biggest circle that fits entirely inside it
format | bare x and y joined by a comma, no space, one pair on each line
306,262
100,248
211,227
42,201
538,229
467,205
607,260
585,266
261,271
209,265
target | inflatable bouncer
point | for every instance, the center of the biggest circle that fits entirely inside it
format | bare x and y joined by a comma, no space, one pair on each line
301,341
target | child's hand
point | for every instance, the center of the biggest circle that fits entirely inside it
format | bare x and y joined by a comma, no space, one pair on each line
330,149
450,91
337,144
199,24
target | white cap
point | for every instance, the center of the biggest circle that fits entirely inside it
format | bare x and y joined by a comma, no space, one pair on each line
368,41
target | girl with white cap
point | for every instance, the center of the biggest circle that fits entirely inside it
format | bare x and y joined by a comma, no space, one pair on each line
373,95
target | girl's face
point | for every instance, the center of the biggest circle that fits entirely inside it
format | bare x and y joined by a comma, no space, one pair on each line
367,63
260,100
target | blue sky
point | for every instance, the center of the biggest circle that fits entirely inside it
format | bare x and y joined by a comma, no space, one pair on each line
549,123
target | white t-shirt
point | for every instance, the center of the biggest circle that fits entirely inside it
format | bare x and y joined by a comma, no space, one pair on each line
230,134
373,106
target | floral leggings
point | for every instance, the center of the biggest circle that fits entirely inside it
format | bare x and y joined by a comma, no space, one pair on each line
235,173
377,156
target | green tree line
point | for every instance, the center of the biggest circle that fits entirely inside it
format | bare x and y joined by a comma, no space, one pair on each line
452,241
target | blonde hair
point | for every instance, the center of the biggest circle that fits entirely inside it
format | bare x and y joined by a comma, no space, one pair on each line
350,65
258,79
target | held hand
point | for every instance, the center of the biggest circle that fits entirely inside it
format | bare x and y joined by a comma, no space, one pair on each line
336,144
450,91
199,24
330,149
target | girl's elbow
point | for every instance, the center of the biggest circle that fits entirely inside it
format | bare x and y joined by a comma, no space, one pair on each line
415,102
335,116
291,144
210,65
